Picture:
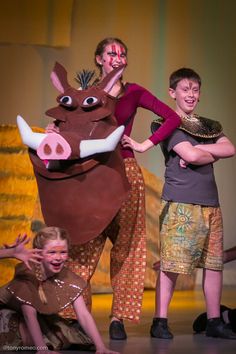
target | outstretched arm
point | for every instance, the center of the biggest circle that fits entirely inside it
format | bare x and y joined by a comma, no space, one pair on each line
223,148
18,250
87,322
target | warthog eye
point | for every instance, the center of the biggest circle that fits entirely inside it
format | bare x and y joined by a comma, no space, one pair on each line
66,100
90,101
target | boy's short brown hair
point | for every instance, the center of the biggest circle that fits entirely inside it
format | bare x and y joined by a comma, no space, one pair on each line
183,73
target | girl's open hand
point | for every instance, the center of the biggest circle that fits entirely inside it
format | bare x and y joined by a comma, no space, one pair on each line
24,254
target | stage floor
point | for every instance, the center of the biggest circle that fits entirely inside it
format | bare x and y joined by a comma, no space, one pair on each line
186,305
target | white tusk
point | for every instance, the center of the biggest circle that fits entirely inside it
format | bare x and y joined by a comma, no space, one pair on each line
29,138
96,146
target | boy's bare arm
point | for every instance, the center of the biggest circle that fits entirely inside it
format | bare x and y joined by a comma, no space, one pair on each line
223,148
193,155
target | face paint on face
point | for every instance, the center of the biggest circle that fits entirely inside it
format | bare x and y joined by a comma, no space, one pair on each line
113,56
187,95
119,51
55,254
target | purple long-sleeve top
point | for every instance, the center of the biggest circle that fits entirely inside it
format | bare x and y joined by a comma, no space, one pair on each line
136,96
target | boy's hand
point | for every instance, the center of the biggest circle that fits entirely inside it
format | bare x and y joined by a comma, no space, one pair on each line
183,163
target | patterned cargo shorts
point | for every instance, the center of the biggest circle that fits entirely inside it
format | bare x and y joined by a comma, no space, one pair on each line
191,237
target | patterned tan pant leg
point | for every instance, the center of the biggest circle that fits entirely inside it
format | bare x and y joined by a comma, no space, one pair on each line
83,260
128,254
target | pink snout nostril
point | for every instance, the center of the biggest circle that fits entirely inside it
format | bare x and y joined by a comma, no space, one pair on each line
47,150
54,147
59,149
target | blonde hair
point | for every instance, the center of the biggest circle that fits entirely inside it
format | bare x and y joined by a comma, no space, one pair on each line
50,233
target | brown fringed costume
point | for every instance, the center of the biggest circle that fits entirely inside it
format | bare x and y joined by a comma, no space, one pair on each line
59,291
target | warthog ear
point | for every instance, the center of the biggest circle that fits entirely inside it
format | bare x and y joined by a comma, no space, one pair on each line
59,78
107,83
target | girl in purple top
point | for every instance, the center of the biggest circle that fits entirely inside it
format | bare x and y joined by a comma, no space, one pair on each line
127,232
